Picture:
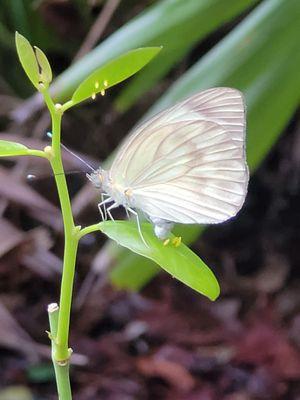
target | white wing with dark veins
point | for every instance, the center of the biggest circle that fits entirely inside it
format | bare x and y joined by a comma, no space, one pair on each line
187,164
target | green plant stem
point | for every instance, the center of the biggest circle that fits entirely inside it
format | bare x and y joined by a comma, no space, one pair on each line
67,105
60,349
89,229
37,153
71,240
61,371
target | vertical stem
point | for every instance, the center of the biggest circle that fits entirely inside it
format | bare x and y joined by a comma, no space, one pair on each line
61,371
60,321
71,241
62,351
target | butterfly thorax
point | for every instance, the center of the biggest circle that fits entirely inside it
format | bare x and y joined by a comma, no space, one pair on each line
119,193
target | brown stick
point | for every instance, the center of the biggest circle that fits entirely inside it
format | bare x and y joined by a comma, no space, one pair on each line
98,28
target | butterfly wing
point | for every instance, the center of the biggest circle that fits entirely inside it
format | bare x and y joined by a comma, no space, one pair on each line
187,164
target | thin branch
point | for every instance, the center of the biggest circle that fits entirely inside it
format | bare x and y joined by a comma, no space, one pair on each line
98,28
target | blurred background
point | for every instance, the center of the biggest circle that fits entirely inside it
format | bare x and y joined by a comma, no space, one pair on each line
136,332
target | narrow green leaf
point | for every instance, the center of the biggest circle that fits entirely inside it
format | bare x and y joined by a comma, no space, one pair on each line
142,270
16,13
194,23
12,149
180,261
45,68
27,59
114,72
128,273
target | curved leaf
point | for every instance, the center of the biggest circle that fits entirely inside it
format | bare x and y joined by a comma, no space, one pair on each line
12,149
180,261
45,68
114,72
27,59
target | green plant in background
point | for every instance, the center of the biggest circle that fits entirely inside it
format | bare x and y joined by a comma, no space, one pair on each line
179,261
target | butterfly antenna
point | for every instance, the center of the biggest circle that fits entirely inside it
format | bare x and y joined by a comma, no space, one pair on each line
49,134
78,158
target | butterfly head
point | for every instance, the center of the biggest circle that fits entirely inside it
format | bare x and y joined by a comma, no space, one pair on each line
97,178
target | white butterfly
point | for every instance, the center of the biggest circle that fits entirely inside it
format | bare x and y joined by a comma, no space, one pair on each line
186,164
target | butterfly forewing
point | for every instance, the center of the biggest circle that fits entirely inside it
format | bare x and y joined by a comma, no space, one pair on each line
187,164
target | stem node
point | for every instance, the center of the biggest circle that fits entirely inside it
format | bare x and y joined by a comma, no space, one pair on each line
76,230
58,108
48,150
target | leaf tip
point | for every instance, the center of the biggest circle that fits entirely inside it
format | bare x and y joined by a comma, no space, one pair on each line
19,36
214,296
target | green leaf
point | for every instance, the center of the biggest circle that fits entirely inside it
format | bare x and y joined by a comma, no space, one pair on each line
12,149
28,59
114,72
45,68
192,21
142,270
180,261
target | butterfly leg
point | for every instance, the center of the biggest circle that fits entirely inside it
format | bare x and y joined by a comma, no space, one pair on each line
101,213
138,224
103,195
103,203
127,213
114,205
